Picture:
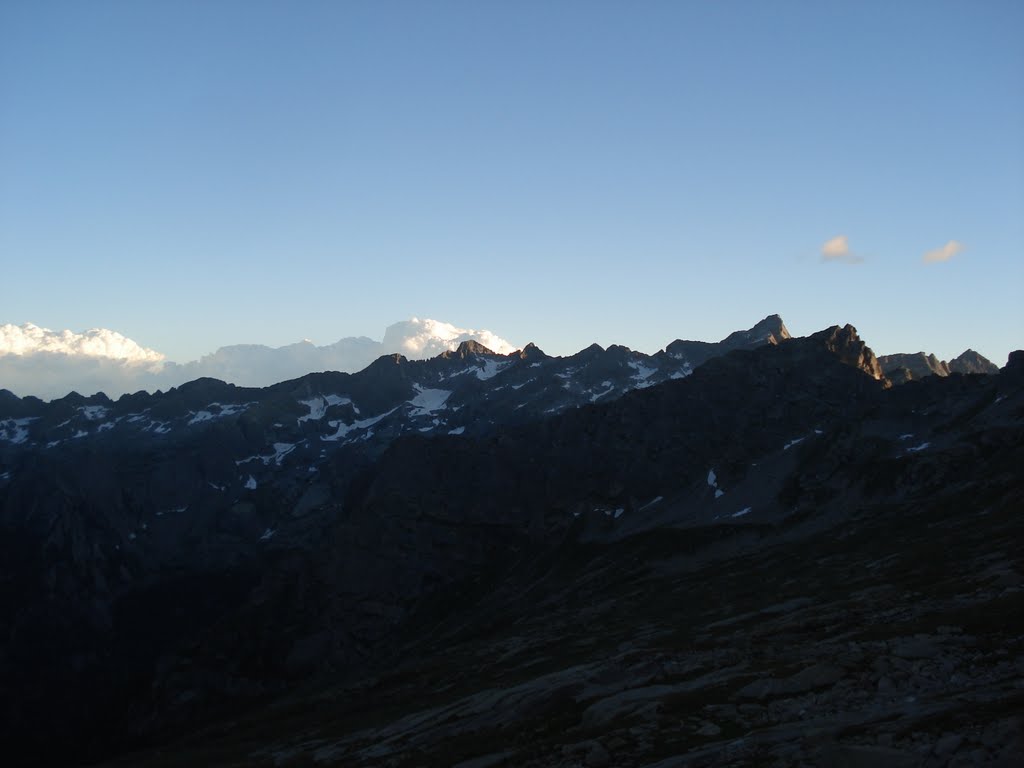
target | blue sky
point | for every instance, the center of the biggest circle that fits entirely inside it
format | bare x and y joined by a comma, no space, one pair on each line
195,174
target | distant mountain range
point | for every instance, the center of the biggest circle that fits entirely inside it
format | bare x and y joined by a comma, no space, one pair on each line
43,363
308,554
49,364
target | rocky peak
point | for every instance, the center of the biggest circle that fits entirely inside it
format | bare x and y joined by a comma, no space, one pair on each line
532,352
771,330
971,362
593,351
467,349
908,367
845,344
1015,364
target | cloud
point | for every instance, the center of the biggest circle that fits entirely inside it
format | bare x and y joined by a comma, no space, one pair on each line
40,362
428,338
29,339
945,253
838,249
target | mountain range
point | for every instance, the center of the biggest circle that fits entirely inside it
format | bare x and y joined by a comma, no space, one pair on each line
43,363
697,557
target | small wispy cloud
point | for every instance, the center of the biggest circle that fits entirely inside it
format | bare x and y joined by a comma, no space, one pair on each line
838,249
945,253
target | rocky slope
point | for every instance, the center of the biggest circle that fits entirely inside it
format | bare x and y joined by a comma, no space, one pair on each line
703,570
901,368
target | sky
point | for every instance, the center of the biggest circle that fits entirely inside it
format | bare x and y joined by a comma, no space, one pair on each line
199,174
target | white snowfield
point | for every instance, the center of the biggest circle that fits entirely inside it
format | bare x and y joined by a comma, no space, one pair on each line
427,401
217,411
14,431
93,412
643,373
342,429
318,406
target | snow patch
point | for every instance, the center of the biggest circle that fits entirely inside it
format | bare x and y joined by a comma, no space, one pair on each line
222,411
643,373
318,406
93,412
250,484
917,448
712,478
490,369
427,401
268,534
280,451
339,400
651,503
791,443
742,512
14,430
685,371
719,493
342,429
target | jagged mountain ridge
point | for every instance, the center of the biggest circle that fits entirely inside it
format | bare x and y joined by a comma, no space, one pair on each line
901,368
530,385
369,542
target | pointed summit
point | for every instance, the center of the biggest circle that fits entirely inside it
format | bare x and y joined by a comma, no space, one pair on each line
467,349
850,349
972,362
771,330
532,352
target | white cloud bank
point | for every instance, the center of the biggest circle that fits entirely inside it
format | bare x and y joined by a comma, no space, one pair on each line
48,364
428,338
945,253
838,249
29,339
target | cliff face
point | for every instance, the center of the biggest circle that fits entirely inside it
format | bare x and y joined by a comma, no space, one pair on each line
908,367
